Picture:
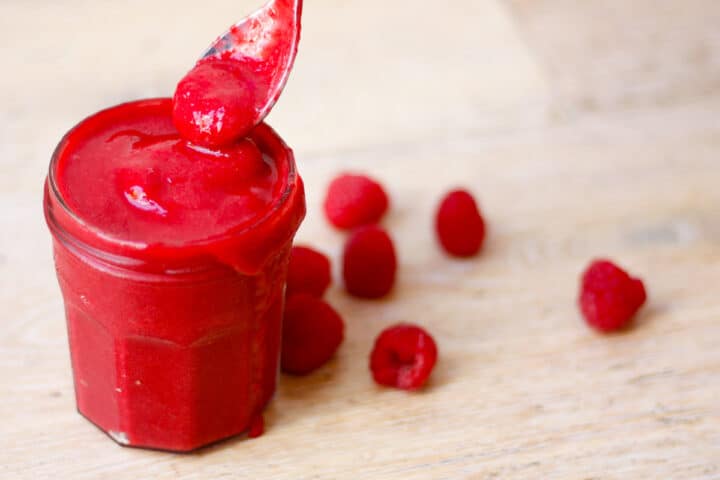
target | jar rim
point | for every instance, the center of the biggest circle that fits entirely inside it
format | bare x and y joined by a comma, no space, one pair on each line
263,134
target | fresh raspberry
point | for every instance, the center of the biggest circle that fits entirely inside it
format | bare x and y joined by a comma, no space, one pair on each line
312,332
355,200
214,103
403,357
369,262
257,426
308,272
609,297
459,224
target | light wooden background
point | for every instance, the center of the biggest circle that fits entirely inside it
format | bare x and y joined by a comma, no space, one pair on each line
585,128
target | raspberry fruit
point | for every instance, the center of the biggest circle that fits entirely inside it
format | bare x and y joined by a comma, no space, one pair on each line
459,224
369,263
308,272
609,297
312,332
403,357
355,200
257,426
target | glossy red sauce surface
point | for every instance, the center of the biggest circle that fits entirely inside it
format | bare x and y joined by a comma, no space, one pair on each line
130,174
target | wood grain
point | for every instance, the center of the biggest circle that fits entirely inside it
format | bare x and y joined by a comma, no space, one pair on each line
581,137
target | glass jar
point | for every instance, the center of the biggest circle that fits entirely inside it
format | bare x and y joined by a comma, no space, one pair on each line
174,347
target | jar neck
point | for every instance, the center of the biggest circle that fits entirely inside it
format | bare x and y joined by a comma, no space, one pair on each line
183,268
245,249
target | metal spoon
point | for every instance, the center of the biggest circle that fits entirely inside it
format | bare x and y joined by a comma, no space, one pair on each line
266,42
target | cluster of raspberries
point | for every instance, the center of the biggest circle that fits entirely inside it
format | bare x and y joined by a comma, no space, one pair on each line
404,354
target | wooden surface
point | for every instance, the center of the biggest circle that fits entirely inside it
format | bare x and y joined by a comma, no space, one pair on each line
585,128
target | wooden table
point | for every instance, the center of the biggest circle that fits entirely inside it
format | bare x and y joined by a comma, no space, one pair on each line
586,129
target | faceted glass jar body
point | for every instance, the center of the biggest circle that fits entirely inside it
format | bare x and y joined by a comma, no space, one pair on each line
173,353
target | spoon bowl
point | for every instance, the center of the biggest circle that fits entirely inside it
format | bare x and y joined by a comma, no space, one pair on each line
266,43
